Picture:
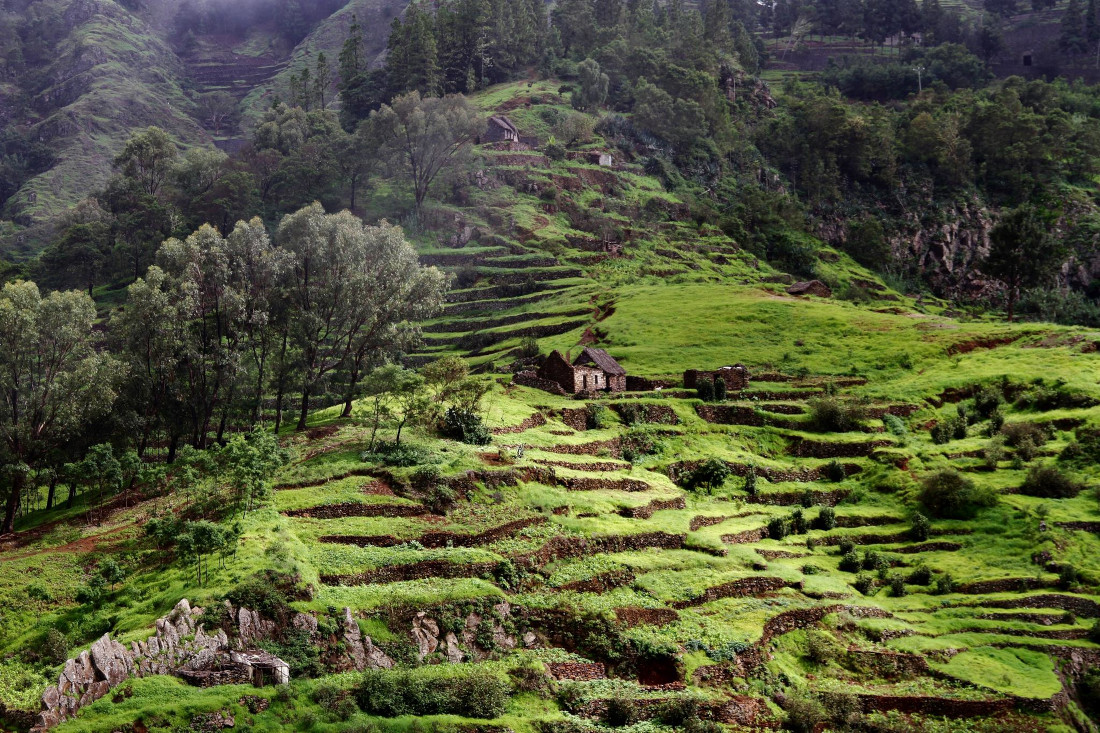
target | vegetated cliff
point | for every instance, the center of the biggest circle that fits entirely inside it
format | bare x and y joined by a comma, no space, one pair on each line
110,75
375,17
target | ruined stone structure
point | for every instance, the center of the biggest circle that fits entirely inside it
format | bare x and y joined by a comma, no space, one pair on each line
182,647
736,377
594,370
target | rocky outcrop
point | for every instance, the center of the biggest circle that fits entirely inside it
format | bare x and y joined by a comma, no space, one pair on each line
470,641
181,646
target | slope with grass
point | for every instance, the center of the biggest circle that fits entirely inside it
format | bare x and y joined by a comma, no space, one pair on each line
715,601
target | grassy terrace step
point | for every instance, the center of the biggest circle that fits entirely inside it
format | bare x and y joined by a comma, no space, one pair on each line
503,292
454,326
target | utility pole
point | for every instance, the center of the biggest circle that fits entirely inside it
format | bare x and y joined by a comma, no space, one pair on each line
920,71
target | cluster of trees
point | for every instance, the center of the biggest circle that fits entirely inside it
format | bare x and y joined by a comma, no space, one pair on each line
216,325
1014,139
453,47
296,157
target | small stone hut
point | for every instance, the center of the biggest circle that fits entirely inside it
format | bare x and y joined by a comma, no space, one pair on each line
500,130
592,371
736,377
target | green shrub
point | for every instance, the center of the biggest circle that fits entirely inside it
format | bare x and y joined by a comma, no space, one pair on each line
895,425
922,528
897,586
834,471
950,495
719,389
710,474
820,647
829,415
1084,450
948,429
864,583
393,693
988,400
845,546
778,528
945,584
704,390
55,647
874,561
850,562
750,480
595,416
400,455
1049,482
804,713
1067,577
621,712
465,426
826,518
1018,433
920,575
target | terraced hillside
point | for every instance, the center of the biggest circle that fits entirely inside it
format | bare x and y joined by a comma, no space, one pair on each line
582,558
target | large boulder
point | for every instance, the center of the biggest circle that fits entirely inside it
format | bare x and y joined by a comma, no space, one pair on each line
810,287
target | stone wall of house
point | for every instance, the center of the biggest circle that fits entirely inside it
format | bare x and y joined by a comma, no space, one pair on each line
736,378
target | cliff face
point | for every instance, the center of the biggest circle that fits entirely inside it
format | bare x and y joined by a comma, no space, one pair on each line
113,70
110,74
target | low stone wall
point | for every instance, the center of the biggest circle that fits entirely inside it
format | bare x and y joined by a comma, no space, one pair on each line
746,537
612,447
309,483
650,414
752,586
803,474
941,546
803,448
794,498
1076,605
1004,585
632,616
644,384
338,511
575,417
1093,527
802,618
438,539
648,510
534,421
577,671
412,571
603,484
565,547
530,379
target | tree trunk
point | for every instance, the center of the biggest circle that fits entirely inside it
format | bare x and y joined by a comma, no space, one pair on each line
305,410
353,382
72,495
173,446
52,492
17,480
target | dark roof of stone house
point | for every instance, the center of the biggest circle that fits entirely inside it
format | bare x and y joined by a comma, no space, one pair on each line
602,359
504,123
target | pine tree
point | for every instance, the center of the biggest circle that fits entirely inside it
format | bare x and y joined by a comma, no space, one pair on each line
324,78
1072,39
1092,29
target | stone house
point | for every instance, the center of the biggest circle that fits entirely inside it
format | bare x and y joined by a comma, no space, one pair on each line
500,130
592,371
736,377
